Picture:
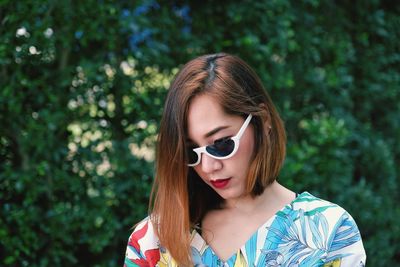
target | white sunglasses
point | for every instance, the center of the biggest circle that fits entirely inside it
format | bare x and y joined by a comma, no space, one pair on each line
221,149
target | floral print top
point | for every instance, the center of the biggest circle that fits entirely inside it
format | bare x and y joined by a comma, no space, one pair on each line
307,232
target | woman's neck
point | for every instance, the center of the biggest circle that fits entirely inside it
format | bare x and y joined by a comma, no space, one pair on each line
274,194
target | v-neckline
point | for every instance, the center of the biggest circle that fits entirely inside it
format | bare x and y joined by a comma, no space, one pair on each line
242,248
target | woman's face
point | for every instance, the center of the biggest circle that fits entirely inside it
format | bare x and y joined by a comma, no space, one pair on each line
207,122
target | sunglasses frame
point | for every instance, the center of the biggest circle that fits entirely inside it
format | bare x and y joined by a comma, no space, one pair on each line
236,140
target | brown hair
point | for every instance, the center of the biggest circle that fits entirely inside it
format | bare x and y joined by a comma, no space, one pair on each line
179,198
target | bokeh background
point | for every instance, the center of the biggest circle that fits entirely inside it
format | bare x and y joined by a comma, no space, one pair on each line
82,85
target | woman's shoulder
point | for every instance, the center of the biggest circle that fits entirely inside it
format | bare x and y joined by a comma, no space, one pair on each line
142,242
323,225
144,248
144,234
313,210
312,204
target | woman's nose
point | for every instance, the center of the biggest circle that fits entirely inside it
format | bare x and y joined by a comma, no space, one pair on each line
209,164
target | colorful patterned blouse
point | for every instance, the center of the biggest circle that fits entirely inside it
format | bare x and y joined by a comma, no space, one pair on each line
307,232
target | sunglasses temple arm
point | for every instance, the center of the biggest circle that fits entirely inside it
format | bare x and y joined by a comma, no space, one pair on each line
244,126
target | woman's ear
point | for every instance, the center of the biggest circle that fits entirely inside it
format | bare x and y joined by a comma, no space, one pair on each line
266,117
267,126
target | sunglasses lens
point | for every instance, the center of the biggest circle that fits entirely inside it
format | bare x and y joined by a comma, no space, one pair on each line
221,148
192,156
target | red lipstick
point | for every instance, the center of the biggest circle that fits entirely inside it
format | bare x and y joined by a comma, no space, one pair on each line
220,183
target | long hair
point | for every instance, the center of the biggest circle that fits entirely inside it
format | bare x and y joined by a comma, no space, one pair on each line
179,198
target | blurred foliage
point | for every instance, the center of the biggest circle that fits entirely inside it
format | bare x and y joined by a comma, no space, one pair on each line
82,86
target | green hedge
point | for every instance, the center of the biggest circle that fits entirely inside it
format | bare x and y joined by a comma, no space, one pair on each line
81,93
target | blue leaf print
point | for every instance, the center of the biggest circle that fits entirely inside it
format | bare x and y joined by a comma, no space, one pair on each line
285,222
251,249
346,233
324,226
209,256
318,210
316,235
277,237
295,258
306,244
196,257
270,258
312,259
303,225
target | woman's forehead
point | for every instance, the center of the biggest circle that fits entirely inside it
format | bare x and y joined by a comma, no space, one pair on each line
206,117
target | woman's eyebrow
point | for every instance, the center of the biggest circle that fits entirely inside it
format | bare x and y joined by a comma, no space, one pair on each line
209,134
214,131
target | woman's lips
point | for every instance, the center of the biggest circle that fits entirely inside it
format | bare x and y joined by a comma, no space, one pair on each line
220,183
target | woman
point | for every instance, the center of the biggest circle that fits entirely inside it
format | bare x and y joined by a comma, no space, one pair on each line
215,199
